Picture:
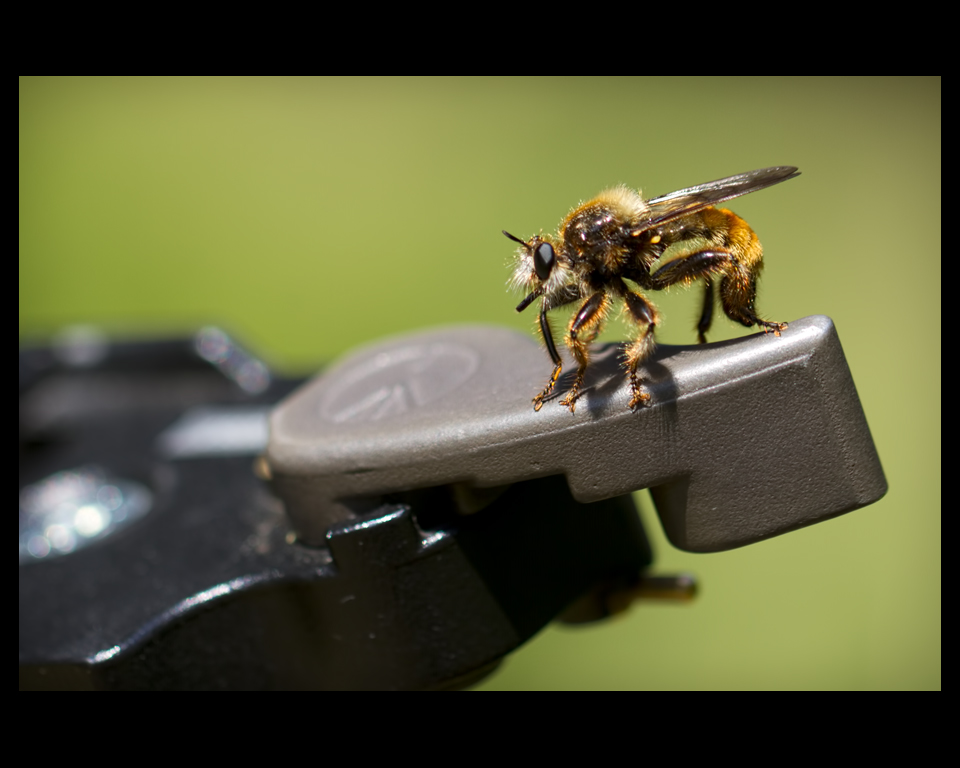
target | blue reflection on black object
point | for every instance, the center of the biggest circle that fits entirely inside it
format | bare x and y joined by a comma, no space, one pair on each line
69,510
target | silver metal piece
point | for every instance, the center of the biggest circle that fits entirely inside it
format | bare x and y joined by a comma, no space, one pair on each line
218,349
607,600
226,430
744,439
678,588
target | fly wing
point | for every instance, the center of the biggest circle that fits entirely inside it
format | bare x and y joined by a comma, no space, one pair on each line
692,199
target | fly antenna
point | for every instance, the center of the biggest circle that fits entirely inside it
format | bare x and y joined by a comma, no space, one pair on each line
515,238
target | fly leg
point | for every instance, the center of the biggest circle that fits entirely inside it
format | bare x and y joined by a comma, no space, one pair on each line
566,296
547,334
706,313
647,317
584,327
738,294
738,284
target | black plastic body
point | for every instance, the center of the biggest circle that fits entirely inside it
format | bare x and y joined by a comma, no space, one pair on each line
211,590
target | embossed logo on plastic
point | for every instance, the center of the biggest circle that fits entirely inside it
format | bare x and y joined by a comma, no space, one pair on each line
398,381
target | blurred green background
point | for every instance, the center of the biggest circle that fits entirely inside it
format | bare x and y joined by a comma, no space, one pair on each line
307,216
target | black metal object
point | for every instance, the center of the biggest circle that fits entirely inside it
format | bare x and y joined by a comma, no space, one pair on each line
405,581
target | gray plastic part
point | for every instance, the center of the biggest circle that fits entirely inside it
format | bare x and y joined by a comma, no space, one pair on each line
743,440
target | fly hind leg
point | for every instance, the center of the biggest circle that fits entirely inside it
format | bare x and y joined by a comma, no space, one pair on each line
738,294
738,269
647,317
738,286
693,266
584,327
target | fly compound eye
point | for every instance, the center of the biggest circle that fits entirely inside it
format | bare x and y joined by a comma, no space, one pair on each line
543,260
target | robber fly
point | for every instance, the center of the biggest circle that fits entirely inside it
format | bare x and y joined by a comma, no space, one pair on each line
618,236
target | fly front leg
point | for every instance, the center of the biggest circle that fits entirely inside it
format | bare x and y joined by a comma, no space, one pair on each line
647,317
569,294
584,327
547,334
